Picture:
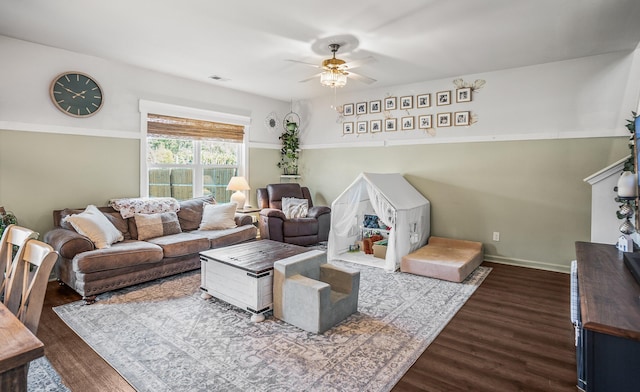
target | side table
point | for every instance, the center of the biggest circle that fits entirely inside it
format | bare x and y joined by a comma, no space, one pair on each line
253,213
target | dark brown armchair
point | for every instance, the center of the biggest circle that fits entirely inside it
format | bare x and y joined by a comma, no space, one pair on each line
274,225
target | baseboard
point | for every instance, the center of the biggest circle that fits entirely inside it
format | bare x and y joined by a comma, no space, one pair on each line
528,263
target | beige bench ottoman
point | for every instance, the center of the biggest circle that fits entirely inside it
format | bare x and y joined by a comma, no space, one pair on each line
444,258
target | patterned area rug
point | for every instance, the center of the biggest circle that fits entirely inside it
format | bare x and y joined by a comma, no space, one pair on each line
43,377
161,336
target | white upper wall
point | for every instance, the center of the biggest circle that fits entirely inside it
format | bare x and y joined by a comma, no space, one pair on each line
586,97
28,70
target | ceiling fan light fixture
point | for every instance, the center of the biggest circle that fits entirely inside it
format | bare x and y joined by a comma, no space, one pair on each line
333,78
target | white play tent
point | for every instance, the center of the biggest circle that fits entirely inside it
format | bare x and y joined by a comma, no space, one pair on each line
396,203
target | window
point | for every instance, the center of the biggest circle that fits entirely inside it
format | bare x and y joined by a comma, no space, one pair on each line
182,168
187,157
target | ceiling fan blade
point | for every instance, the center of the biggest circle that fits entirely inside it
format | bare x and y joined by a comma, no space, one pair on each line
310,78
302,62
358,62
361,78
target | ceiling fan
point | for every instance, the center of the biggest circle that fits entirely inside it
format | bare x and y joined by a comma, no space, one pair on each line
335,71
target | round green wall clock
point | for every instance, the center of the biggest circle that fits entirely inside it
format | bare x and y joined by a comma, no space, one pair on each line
76,94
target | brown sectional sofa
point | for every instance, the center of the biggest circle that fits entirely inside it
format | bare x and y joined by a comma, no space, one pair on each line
91,271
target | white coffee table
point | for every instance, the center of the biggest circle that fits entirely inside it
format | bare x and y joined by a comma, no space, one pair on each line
242,274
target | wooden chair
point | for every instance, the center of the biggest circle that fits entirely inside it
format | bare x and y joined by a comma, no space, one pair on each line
27,282
13,236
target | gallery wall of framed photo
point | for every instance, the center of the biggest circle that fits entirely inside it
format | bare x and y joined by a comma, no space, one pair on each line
427,112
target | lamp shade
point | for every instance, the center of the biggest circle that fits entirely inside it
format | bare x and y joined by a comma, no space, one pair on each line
238,184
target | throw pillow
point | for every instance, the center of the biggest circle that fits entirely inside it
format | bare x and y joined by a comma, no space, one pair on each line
218,216
157,225
295,208
190,214
93,224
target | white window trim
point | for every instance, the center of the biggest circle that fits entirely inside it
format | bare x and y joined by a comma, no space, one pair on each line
147,107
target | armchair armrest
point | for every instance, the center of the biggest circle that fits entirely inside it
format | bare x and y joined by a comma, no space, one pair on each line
315,212
302,290
68,243
307,283
272,213
341,279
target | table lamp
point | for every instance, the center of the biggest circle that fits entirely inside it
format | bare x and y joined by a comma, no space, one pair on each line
239,185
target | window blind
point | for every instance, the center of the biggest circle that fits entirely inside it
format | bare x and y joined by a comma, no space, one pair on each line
188,128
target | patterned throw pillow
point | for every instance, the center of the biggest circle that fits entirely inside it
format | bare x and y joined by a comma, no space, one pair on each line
295,208
157,225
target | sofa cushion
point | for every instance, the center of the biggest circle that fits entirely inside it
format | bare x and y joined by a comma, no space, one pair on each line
119,255
156,225
220,238
444,258
218,217
181,244
190,214
300,227
93,224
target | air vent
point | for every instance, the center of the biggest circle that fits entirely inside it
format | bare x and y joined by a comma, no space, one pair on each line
219,78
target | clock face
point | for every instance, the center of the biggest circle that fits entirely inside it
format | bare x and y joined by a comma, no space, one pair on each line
76,94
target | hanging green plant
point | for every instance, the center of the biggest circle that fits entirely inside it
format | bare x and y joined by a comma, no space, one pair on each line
629,164
626,209
289,153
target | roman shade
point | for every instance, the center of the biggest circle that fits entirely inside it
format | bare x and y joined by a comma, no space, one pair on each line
179,127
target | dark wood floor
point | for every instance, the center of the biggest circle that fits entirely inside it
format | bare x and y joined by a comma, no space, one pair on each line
513,334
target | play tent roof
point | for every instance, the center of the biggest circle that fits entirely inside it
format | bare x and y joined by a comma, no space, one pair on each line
396,203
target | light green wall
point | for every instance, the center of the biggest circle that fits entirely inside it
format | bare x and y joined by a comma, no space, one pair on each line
40,172
262,169
532,192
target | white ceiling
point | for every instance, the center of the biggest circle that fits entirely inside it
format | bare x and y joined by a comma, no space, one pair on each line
248,42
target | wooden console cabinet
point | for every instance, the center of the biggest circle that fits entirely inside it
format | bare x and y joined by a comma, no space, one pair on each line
610,312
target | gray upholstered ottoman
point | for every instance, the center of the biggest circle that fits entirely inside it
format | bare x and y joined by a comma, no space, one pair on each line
444,258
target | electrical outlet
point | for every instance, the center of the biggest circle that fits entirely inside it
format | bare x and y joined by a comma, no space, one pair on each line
496,236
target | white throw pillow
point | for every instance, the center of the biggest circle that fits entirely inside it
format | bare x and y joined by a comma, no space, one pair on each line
218,216
93,224
295,208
